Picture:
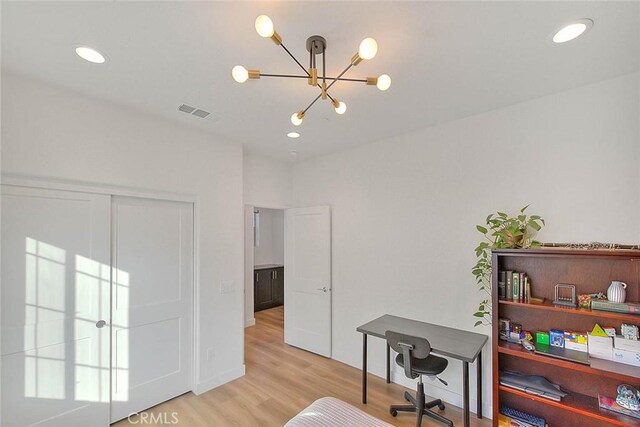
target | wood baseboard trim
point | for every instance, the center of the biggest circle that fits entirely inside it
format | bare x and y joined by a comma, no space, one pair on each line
249,322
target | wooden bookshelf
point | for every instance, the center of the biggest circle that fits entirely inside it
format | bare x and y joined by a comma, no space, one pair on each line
591,271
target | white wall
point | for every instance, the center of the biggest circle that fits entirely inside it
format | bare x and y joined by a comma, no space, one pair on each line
267,182
404,210
271,243
54,133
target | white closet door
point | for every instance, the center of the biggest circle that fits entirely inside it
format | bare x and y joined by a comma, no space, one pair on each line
152,255
54,291
307,279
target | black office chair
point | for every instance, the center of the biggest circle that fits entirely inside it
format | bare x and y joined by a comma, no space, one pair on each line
414,356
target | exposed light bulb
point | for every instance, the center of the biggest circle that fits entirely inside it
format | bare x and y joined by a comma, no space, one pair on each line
341,108
572,31
239,74
368,48
90,54
296,119
264,26
384,82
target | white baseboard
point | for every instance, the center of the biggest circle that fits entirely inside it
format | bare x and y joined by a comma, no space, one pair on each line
249,322
447,396
219,380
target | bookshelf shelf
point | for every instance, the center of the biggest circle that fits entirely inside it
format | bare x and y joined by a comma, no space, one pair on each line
548,306
608,369
591,271
580,404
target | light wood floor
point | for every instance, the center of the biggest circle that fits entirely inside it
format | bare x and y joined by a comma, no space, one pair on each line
281,381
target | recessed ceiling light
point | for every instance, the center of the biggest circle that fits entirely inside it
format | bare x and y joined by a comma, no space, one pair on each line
293,135
572,30
90,54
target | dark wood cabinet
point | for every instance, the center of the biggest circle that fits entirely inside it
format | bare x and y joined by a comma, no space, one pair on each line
268,287
590,271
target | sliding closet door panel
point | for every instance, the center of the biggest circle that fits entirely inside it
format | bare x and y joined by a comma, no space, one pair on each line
54,292
152,302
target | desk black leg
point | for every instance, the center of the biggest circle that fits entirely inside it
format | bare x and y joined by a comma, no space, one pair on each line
388,364
479,385
465,392
364,368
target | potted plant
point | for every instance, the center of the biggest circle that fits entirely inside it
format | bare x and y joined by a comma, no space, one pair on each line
501,232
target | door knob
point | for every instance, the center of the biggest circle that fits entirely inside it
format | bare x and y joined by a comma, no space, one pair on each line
323,289
100,324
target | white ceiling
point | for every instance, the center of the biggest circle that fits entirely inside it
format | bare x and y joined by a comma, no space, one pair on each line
447,60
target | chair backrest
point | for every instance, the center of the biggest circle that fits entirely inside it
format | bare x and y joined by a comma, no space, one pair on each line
410,347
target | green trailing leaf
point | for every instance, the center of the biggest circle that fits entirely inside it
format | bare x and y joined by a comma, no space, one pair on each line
479,322
481,229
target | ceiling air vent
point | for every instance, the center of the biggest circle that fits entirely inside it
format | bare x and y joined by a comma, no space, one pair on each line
186,108
193,111
201,113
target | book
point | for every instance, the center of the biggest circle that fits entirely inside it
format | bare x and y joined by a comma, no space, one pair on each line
504,421
502,284
523,416
521,282
515,283
509,285
610,404
622,307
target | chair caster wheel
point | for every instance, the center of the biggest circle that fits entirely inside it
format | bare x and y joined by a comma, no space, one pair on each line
441,406
393,413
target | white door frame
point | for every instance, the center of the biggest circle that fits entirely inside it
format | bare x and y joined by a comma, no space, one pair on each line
248,259
113,190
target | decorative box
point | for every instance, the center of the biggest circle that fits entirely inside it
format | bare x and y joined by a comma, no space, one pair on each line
542,337
626,357
575,341
600,347
622,343
556,338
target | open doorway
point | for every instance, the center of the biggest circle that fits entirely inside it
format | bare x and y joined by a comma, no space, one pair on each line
264,269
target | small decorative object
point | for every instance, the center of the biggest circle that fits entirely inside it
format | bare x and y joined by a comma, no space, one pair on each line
610,404
610,331
617,291
584,300
629,332
556,338
598,331
628,397
565,295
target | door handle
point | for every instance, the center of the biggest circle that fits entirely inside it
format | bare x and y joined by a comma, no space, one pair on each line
323,289
100,324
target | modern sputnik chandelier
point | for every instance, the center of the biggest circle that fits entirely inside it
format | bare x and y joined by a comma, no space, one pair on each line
316,45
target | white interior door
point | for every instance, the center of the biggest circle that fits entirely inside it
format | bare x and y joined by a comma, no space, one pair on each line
151,303
307,279
54,291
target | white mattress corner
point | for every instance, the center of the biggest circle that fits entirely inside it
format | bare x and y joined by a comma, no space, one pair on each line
332,412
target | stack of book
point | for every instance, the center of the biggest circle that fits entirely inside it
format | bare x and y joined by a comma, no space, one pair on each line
514,286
